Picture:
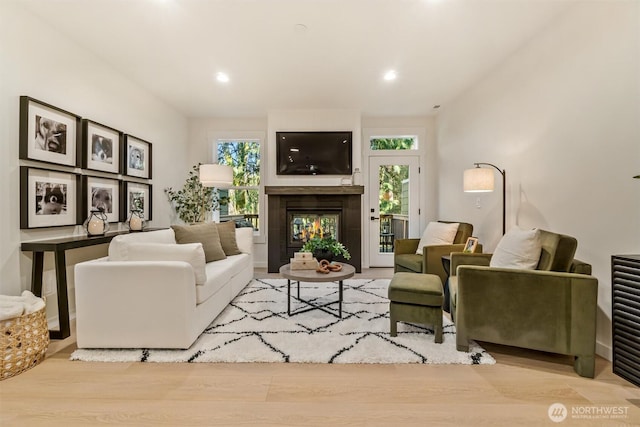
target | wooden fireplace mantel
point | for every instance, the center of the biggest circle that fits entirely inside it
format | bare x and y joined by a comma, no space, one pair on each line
294,190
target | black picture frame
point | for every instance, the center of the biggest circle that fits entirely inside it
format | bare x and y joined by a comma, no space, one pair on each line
131,188
105,193
48,133
102,147
137,158
49,198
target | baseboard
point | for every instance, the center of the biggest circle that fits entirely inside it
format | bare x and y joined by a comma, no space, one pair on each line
260,264
604,350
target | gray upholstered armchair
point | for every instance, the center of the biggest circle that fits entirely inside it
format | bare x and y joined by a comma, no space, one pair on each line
552,308
406,259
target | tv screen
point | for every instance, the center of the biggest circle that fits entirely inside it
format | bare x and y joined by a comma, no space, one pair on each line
313,153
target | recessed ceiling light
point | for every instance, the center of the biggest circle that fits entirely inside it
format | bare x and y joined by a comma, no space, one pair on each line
222,77
390,75
300,28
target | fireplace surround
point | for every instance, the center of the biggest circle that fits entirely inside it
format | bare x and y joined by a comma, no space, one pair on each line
337,208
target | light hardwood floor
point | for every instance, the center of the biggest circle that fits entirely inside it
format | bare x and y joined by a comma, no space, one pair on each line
517,390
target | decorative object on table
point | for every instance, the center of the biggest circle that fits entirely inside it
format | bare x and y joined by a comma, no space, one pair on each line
48,198
327,267
325,248
101,147
136,221
96,223
471,245
138,196
24,334
255,328
137,157
48,133
481,180
303,261
195,199
102,193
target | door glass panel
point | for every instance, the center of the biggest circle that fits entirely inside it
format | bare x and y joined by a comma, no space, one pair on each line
393,205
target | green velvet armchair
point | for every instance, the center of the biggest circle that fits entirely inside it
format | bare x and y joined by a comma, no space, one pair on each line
552,308
406,259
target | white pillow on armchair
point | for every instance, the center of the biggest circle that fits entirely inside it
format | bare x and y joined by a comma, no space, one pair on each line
438,233
518,249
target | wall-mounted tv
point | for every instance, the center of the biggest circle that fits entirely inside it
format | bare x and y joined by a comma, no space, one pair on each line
313,153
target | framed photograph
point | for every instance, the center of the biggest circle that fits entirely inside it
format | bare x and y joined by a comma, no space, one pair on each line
470,246
48,198
101,147
137,195
102,193
48,133
137,158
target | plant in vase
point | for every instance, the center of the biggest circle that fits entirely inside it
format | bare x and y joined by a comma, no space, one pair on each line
325,248
194,201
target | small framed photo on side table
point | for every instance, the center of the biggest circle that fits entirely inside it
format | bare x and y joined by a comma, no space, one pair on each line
471,245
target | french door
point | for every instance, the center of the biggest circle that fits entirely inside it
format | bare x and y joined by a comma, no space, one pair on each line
394,199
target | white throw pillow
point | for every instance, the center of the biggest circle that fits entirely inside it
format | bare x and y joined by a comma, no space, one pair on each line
518,249
438,233
193,253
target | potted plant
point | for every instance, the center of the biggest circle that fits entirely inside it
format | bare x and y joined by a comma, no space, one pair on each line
325,248
194,201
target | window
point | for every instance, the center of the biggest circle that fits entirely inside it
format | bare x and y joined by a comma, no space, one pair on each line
394,143
243,197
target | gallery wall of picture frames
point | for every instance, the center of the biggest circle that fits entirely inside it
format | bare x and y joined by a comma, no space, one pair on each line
53,196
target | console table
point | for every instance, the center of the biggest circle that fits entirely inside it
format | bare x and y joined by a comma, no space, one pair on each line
59,246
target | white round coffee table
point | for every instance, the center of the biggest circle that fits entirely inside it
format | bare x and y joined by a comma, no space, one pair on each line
313,276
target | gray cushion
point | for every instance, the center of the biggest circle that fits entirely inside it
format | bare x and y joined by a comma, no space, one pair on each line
206,233
227,232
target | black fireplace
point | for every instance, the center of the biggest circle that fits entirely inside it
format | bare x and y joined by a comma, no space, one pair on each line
299,213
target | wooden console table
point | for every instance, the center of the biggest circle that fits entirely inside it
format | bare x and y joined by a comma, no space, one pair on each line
59,246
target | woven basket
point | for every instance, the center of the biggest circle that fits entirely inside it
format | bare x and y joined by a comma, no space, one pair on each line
23,343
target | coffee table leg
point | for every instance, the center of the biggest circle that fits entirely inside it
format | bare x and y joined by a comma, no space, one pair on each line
289,297
340,299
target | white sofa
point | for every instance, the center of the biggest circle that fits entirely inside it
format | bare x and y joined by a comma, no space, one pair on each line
123,303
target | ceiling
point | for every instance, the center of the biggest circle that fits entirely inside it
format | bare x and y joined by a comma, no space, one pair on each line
174,48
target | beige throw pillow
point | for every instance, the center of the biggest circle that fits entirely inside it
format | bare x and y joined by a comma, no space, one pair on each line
438,233
227,232
518,249
206,233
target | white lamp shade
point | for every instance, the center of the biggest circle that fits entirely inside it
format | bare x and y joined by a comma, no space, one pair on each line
478,180
214,175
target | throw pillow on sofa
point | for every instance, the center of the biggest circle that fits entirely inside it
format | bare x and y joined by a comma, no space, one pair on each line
518,249
189,252
207,234
438,233
227,233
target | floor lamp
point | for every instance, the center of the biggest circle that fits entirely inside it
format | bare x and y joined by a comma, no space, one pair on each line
215,175
480,180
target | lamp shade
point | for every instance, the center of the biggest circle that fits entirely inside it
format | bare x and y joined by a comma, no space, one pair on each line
214,175
478,180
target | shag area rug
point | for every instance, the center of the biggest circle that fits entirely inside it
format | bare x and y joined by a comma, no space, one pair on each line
255,327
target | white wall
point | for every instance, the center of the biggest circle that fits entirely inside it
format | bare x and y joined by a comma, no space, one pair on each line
38,61
562,116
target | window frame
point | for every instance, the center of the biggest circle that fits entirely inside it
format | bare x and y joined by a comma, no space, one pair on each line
259,236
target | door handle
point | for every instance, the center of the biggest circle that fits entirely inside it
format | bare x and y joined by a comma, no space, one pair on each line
373,218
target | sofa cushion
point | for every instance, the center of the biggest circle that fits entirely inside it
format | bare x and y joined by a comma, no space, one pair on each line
227,233
438,233
219,273
189,252
518,249
206,233
119,246
411,262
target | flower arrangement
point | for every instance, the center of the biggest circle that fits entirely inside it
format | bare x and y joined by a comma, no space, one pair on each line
327,244
194,200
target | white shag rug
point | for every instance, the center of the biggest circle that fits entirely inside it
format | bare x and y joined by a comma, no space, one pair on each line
255,327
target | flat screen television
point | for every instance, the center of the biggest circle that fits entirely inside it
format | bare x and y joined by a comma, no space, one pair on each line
314,153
